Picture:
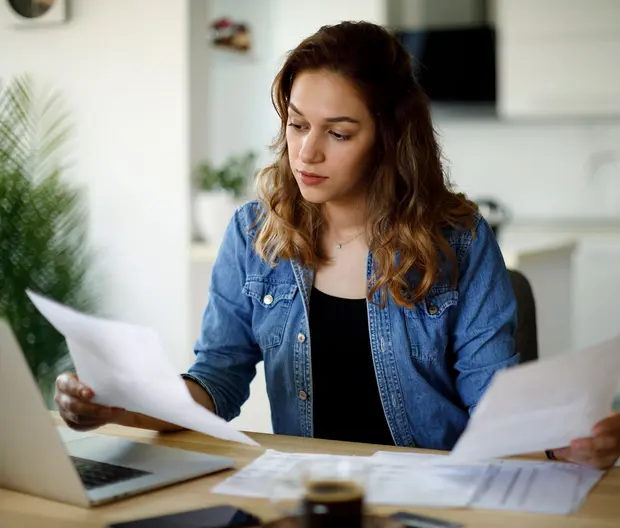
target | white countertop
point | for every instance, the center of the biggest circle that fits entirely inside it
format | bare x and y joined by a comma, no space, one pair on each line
514,251
570,224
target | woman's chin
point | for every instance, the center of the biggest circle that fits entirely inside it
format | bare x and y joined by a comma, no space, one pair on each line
314,196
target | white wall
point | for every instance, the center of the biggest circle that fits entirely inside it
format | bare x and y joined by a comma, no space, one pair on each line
122,68
293,21
538,169
200,67
239,115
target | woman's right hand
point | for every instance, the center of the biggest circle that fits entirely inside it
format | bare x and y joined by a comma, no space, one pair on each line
76,408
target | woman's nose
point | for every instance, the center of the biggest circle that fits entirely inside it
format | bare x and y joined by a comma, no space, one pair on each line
311,151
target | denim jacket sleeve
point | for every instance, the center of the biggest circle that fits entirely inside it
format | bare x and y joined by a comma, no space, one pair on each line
485,321
226,351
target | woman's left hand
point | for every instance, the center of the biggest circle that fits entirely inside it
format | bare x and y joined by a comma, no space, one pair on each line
601,450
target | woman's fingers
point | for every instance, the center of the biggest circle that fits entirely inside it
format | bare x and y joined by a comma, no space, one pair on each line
68,383
76,408
600,451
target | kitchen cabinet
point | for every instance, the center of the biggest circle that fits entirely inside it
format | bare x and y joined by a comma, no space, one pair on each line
431,14
558,58
556,18
548,265
597,289
595,267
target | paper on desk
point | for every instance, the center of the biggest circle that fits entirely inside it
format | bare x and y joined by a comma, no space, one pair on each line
259,478
413,479
543,404
520,485
388,483
537,487
417,481
126,367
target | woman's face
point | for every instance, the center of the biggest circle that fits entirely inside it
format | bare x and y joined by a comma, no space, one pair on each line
330,137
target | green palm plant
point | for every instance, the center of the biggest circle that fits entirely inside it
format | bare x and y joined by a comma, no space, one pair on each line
42,225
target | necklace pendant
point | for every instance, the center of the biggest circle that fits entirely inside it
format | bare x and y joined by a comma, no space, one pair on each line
338,246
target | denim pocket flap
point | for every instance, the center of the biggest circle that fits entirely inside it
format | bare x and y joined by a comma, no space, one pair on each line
269,293
436,304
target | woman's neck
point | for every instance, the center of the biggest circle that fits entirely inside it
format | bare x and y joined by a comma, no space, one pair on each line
345,219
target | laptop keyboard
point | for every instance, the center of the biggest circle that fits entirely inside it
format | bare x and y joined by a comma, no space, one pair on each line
97,474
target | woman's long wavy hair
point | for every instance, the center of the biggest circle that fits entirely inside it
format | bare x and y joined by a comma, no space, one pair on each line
409,201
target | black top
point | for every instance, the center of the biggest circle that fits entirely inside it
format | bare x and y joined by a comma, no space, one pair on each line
346,401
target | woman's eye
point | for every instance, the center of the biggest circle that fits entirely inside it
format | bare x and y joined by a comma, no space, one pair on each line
296,126
339,137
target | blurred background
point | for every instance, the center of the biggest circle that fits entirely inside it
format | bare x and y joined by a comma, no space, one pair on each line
152,117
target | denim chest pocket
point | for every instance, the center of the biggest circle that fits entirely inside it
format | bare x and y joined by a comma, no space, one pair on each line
428,325
272,304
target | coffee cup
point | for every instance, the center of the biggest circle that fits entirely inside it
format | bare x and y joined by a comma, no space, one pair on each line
331,503
326,492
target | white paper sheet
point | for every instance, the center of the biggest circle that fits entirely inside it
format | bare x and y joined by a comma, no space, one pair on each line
543,404
537,487
418,482
126,367
519,485
424,480
259,478
388,483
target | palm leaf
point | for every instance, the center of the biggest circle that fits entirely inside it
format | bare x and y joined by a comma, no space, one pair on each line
43,242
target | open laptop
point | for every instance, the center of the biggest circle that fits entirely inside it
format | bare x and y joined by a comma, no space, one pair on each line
83,469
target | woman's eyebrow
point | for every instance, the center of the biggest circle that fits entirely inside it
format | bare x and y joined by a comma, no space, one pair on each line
337,119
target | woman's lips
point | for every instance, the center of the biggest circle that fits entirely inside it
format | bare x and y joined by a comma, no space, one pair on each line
311,179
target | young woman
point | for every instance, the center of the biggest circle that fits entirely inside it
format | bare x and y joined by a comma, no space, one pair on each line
376,296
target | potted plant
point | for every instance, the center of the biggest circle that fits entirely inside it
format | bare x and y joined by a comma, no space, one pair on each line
218,193
42,227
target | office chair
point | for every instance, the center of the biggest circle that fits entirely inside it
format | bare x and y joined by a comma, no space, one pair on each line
527,333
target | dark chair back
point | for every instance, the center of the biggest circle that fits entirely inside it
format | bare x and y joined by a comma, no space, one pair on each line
527,333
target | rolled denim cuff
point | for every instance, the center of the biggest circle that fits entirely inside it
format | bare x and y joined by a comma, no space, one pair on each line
204,386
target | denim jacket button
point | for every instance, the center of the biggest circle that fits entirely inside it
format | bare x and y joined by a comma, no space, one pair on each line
301,338
303,396
433,309
267,299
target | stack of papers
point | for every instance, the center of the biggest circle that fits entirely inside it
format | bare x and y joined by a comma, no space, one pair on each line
126,366
419,480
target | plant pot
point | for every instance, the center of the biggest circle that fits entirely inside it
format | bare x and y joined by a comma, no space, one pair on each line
213,211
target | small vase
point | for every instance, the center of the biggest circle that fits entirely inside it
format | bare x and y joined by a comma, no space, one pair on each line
213,211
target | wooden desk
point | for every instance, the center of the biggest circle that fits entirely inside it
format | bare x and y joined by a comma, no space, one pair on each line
602,508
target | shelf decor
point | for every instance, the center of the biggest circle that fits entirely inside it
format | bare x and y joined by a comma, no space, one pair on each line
231,35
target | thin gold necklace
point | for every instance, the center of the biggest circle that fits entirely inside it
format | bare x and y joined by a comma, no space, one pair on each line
338,245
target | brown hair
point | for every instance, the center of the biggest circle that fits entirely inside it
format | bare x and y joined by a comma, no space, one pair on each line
409,200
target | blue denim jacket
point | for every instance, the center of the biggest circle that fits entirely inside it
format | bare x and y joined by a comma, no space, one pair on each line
432,362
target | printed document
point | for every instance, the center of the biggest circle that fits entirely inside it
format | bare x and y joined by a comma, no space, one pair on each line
275,473
126,366
518,485
542,404
424,480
